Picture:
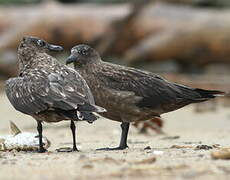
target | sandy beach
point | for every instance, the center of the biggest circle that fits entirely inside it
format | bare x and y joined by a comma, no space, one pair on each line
175,155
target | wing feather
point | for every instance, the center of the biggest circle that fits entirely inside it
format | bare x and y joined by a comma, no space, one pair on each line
40,90
154,90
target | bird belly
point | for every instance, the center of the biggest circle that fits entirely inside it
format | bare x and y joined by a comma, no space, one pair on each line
49,117
120,105
120,110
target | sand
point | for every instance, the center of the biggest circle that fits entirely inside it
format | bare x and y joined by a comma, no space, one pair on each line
148,157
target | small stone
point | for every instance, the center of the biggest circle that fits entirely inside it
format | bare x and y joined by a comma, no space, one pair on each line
203,147
222,154
87,166
147,148
216,146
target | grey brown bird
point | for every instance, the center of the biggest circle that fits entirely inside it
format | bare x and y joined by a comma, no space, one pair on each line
47,90
129,94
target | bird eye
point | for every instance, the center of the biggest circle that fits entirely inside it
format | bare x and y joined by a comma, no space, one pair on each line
41,43
83,52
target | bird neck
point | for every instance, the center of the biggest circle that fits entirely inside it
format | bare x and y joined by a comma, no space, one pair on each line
87,68
33,60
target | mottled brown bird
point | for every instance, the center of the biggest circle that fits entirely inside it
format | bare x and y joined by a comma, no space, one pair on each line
129,94
48,90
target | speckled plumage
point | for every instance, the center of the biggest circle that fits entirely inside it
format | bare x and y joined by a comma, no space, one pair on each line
46,89
129,94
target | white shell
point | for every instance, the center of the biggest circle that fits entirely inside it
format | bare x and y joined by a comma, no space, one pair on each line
24,141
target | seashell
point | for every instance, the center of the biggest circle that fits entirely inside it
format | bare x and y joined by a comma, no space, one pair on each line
21,141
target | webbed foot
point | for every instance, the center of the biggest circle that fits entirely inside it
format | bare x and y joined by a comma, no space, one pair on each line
67,149
113,149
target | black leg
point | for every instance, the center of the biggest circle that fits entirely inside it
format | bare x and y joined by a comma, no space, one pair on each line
39,128
124,135
73,128
67,149
123,141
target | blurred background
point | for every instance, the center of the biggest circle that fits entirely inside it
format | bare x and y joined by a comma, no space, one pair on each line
186,41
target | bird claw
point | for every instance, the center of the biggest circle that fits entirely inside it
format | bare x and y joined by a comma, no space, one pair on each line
113,149
67,149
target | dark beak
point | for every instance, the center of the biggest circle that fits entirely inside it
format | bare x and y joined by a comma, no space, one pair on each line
71,59
52,47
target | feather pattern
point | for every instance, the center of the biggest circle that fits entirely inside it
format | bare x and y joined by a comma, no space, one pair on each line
131,94
154,90
49,90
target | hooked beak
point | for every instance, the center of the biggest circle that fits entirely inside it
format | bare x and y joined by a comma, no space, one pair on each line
52,47
71,59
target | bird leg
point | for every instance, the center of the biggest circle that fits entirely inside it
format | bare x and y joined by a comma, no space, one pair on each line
123,141
73,129
124,135
39,128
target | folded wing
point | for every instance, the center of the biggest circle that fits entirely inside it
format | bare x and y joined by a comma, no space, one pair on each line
39,91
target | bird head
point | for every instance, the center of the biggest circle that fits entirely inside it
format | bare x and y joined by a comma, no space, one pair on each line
82,54
34,44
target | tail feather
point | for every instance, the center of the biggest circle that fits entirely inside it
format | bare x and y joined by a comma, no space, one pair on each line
90,117
78,115
208,94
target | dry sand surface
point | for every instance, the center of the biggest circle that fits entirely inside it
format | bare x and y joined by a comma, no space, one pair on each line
160,161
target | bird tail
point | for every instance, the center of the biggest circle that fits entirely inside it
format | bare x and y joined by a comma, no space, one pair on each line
209,94
78,115
89,117
88,113
91,108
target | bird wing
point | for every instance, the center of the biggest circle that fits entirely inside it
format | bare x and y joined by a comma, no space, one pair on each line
40,90
156,92
25,94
